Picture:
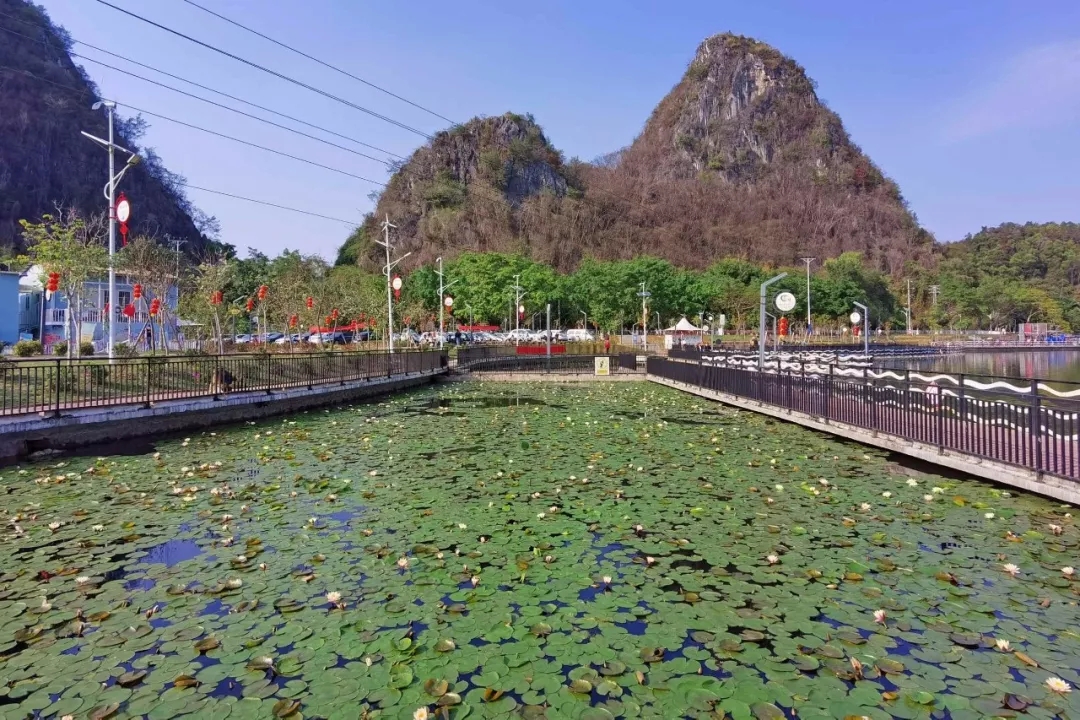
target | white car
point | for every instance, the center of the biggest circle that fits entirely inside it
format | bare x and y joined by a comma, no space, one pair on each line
579,335
518,335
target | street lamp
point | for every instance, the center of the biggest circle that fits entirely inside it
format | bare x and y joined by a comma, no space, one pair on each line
644,295
761,319
866,326
586,325
110,195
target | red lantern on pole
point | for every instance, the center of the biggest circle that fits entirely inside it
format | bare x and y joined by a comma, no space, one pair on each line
250,305
54,282
293,320
123,213
129,310
783,330
310,302
155,307
136,292
217,297
263,291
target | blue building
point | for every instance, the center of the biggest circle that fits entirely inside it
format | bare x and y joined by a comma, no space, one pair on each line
49,319
9,296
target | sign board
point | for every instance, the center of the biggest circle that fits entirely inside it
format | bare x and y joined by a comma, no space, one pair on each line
785,302
448,302
123,209
603,365
855,318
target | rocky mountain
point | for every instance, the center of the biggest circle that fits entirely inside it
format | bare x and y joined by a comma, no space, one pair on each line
45,101
740,159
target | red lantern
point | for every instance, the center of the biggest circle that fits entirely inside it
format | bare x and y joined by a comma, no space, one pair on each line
136,292
329,320
783,327
129,310
334,314
263,290
216,297
54,282
293,320
310,302
250,304
155,307
396,284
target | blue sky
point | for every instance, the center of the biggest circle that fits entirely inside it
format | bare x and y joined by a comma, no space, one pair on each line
973,107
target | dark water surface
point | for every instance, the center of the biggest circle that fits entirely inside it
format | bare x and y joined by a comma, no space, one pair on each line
1051,365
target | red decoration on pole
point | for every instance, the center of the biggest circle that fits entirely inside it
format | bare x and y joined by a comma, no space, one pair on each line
155,307
217,297
123,212
396,284
54,282
293,320
310,302
129,310
250,304
136,292
783,330
263,291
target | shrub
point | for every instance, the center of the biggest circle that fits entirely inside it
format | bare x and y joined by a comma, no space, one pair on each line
86,348
124,350
60,348
28,348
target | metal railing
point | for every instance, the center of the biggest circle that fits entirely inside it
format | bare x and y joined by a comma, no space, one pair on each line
541,364
1034,424
468,355
52,386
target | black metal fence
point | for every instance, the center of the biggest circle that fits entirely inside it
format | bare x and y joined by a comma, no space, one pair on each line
580,364
1033,424
466,356
876,350
51,386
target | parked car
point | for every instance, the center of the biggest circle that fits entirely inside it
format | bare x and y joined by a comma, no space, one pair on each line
340,337
294,338
579,335
242,339
518,335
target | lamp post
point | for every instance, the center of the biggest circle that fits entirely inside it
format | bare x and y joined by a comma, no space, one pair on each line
866,327
110,195
644,295
442,299
387,269
586,325
659,330
761,319
808,260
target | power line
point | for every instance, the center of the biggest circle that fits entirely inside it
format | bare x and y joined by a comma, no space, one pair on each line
350,223
320,62
195,84
226,107
197,127
265,69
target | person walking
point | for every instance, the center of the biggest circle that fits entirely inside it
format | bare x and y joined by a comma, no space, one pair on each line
607,344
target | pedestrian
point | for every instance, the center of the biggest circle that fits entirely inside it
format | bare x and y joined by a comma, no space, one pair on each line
607,344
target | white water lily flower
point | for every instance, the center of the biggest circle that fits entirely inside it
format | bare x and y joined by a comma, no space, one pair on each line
989,516
462,526
97,528
779,488
312,520
226,518
886,494
865,507
420,713
541,515
606,579
937,490
1068,571
912,482
1058,685
1002,645
1011,569
1056,529
82,580
928,498
438,556
553,509
824,482
333,597
45,605
879,616
773,559
54,526
241,558
769,500
403,562
475,580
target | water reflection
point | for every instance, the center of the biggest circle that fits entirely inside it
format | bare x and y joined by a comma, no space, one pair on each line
1050,365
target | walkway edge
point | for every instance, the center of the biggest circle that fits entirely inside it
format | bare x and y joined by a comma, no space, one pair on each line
1048,485
29,434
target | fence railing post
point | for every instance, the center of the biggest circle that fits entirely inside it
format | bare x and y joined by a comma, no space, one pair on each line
268,376
56,381
962,411
148,380
1036,423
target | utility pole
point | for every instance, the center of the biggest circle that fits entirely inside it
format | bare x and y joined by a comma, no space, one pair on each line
442,299
110,195
866,328
908,309
808,260
644,295
385,242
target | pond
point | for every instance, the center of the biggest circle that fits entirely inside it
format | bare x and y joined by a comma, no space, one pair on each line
497,551
1049,365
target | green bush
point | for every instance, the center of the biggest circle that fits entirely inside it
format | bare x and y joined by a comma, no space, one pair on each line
124,350
86,348
60,348
27,348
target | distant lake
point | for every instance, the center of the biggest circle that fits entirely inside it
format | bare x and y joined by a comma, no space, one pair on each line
1053,365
